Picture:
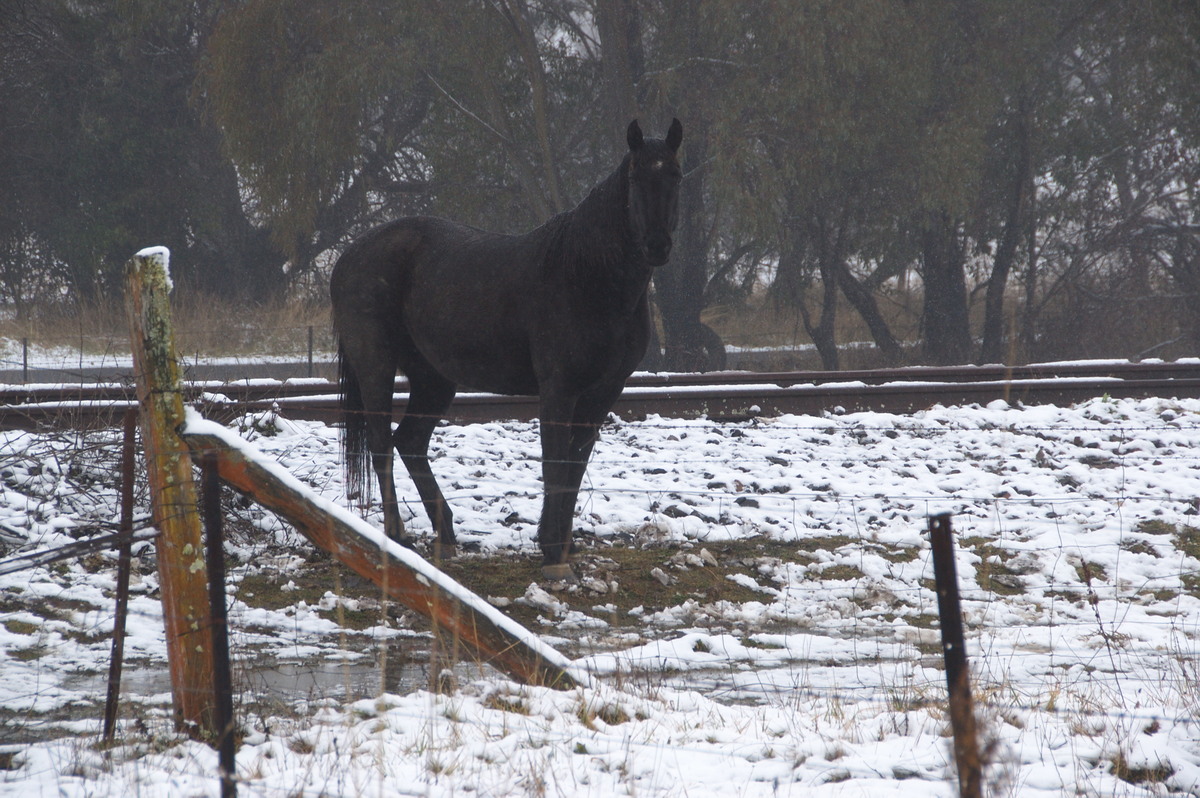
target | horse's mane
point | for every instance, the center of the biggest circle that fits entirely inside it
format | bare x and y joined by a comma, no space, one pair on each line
592,241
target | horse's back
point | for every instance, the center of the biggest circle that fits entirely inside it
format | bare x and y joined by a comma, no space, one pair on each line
427,255
457,296
486,311
392,248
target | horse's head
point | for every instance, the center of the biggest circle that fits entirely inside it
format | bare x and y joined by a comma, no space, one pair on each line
654,178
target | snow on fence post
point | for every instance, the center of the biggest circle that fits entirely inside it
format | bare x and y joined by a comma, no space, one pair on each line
954,653
180,552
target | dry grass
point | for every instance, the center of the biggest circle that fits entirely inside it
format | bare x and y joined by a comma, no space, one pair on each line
628,568
762,322
202,326
1068,328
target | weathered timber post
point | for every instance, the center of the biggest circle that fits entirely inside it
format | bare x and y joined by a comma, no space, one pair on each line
181,571
954,653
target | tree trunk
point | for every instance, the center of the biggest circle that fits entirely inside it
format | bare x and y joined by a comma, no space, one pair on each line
994,333
517,14
828,251
822,333
1029,311
1185,270
864,302
229,257
689,344
622,62
947,331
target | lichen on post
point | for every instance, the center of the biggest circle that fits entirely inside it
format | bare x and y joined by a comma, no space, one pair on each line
180,552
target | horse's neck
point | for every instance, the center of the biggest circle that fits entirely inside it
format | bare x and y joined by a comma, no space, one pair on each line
597,249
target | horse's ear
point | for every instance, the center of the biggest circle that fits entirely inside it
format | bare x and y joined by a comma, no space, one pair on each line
675,135
634,136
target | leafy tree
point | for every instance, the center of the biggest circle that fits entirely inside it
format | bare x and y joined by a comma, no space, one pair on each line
829,110
975,143
317,104
870,159
108,155
499,114
687,77
1116,140
467,110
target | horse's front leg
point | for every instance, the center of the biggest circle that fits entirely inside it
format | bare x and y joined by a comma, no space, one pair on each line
558,503
581,432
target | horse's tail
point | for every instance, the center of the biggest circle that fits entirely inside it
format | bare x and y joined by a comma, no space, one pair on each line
356,456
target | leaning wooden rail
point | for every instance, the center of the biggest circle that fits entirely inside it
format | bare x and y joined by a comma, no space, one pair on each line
406,577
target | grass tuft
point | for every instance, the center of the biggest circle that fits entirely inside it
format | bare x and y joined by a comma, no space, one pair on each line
1140,775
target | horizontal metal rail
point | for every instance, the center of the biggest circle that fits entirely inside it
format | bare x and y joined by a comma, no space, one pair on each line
718,395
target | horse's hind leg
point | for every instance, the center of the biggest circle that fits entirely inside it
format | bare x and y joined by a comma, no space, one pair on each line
379,439
374,366
430,395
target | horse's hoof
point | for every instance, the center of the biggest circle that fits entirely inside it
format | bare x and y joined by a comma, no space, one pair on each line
444,551
560,572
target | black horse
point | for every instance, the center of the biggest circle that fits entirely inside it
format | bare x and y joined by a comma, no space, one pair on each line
560,312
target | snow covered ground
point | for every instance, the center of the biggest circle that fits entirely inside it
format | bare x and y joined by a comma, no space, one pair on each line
1078,562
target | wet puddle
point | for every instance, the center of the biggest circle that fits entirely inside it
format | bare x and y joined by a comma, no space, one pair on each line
288,682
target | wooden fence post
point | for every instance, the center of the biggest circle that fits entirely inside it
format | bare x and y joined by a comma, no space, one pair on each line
954,652
181,570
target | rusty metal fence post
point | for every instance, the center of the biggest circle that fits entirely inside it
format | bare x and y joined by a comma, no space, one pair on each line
954,652
124,564
214,537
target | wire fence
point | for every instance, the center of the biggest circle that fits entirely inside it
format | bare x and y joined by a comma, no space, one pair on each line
845,622
82,356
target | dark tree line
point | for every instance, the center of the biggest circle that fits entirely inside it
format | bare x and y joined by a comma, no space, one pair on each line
1026,168
103,149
